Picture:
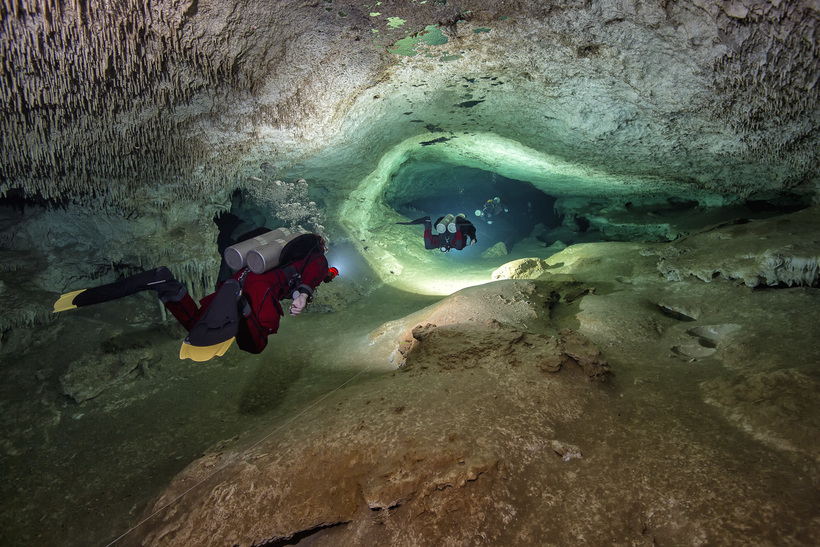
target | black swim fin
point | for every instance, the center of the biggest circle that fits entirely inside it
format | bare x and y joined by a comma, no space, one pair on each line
215,331
151,279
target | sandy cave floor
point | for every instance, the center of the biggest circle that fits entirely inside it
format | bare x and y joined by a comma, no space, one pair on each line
693,437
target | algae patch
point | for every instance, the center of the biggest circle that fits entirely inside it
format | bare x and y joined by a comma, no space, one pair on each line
431,36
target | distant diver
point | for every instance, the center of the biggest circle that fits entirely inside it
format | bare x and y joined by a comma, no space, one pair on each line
451,232
273,266
492,208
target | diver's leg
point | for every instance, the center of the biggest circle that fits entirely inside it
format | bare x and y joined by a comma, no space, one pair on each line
430,241
176,299
184,310
151,279
159,279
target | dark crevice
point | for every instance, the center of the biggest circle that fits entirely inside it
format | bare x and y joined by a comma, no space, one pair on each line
300,536
192,9
675,313
242,222
19,200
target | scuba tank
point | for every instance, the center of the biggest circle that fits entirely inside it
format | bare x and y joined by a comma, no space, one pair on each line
269,256
236,256
453,225
261,253
444,223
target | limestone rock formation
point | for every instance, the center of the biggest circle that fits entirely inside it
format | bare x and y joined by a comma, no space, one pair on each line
499,249
783,251
413,453
90,375
524,268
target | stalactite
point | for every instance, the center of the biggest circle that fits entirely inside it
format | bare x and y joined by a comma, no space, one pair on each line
67,50
780,87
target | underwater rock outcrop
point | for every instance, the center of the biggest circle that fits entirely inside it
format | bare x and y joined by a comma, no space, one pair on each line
524,268
413,452
88,376
780,251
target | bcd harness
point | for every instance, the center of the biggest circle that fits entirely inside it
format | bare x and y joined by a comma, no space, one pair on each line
293,278
447,240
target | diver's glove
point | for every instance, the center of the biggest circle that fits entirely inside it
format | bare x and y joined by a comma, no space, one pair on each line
299,302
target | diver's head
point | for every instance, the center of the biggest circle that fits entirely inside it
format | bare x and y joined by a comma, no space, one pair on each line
332,272
497,200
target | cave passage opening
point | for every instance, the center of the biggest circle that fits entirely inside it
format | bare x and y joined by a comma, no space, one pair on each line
434,189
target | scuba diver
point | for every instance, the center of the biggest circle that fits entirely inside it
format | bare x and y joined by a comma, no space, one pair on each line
452,232
492,208
276,265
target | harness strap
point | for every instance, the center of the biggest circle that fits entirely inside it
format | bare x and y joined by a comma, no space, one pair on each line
294,275
293,278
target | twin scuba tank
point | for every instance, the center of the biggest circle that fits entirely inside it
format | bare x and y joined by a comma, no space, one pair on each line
449,223
261,253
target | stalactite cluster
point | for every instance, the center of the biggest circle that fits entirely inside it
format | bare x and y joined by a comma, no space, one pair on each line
109,104
769,80
288,203
88,93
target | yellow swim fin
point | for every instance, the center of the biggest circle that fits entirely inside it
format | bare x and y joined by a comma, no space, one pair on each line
203,353
66,301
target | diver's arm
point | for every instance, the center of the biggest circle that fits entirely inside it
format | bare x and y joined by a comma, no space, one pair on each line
314,273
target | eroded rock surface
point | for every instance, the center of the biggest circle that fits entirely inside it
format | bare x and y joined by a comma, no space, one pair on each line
88,376
780,251
525,268
414,452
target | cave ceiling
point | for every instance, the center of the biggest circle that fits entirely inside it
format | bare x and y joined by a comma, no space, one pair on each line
102,96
